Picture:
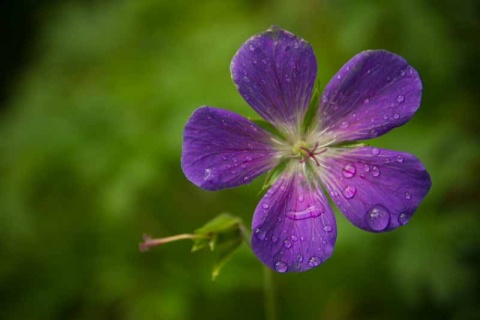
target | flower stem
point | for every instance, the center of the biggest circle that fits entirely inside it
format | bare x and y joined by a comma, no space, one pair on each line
269,299
148,242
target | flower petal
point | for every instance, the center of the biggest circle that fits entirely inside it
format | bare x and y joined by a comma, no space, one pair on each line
222,149
377,190
275,72
294,228
372,93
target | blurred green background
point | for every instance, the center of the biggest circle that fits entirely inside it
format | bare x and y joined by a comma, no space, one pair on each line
95,95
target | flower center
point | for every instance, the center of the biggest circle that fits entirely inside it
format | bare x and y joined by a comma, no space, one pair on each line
305,152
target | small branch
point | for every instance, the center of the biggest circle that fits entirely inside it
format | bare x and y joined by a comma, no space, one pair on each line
148,242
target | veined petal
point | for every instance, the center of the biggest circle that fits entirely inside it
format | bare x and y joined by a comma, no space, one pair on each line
294,228
372,93
376,189
222,149
275,72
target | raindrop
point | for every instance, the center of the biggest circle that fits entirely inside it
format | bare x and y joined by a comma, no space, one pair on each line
310,212
287,244
377,217
254,60
246,79
294,238
374,132
224,158
327,228
246,178
349,170
208,147
261,235
366,100
274,239
396,116
366,167
208,174
408,196
375,151
248,158
400,158
300,198
252,48
375,171
344,124
385,117
314,261
302,239
402,73
403,218
349,192
299,258
400,99
339,76
281,266
265,206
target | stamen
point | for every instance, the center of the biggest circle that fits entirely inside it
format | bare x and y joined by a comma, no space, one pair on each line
312,154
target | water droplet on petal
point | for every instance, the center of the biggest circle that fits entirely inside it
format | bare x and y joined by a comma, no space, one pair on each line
349,170
246,79
252,48
375,151
265,206
299,258
281,266
366,167
400,99
403,218
274,239
327,229
246,178
207,174
375,171
377,217
224,158
400,158
287,244
248,158
260,234
339,76
302,239
349,192
300,198
402,73
396,116
344,124
385,117
373,132
314,261
408,196
294,238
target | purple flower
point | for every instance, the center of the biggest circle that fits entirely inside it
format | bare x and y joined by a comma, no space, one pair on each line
378,190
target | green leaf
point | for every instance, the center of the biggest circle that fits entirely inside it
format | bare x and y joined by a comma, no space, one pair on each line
273,175
312,108
222,235
268,127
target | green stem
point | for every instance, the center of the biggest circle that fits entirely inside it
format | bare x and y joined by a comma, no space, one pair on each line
149,242
270,309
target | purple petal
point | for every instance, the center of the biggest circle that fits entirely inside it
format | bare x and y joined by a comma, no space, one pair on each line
372,93
275,72
222,149
294,228
377,190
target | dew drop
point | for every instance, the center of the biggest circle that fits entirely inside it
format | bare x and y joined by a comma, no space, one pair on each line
299,258
281,266
366,100
375,171
265,206
344,124
385,117
349,192
252,48
400,158
287,244
375,151
314,261
260,234
400,99
349,170
396,116
207,174
224,158
301,198
246,178
373,132
377,217
294,238
339,76
274,239
408,196
403,218
327,228
248,158
302,239
366,167
402,73
246,79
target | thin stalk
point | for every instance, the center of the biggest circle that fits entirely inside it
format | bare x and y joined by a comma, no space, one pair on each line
269,299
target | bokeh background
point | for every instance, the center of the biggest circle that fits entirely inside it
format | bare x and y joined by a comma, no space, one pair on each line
94,96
